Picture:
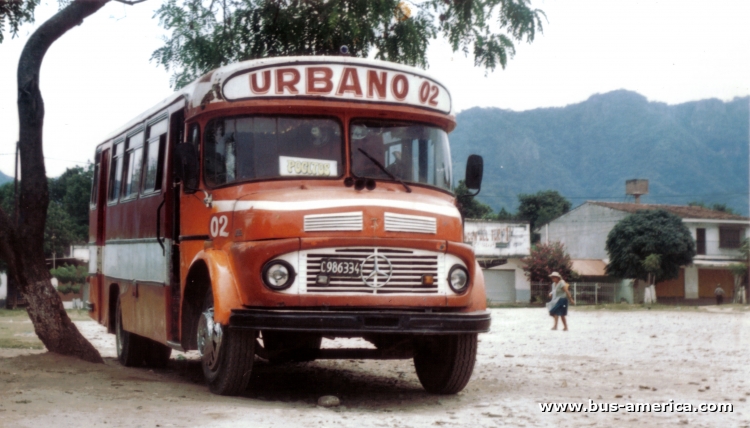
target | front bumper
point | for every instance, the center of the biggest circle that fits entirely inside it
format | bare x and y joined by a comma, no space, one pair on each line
361,322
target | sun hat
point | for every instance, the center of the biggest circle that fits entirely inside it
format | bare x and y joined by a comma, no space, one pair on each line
553,274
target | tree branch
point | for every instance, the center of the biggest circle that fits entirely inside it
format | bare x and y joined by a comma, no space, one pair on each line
130,2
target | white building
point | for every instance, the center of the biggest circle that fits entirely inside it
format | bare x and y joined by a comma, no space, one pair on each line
500,248
717,235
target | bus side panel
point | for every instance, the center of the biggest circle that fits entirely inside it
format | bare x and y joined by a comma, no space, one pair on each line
151,311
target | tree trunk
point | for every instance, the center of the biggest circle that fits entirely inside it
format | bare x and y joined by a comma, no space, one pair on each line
22,241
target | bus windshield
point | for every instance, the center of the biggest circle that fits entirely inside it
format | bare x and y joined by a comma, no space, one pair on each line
260,147
412,152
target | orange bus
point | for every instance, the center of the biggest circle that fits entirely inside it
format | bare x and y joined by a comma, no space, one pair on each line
275,202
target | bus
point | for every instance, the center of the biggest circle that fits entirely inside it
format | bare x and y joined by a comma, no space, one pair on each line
276,202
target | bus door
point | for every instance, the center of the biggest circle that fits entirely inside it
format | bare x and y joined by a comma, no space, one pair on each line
99,199
171,230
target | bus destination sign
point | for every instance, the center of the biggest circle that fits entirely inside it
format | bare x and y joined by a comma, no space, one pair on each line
347,82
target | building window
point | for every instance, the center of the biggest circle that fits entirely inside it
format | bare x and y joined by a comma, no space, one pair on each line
700,241
730,237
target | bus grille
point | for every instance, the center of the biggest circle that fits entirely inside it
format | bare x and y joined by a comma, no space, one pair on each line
408,270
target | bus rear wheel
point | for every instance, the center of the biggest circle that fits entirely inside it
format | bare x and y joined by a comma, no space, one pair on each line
226,355
130,347
444,363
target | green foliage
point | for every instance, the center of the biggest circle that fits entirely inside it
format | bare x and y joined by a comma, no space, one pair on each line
647,233
72,191
470,207
206,34
547,258
587,150
738,269
69,274
15,13
69,288
68,210
541,207
716,207
652,264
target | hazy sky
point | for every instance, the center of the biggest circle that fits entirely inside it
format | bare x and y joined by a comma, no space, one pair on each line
98,75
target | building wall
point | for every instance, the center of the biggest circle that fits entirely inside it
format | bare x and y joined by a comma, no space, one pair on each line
712,241
523,286
583,231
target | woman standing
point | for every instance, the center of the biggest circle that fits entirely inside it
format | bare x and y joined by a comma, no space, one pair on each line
558,306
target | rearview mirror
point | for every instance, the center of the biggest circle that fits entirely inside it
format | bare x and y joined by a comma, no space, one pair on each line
474,172
186,166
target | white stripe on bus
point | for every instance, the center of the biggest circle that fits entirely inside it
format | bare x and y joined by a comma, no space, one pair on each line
225,206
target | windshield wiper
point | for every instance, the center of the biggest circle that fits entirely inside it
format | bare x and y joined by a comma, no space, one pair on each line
382,168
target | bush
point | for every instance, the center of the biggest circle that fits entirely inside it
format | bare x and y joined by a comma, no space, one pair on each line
68,274
67,288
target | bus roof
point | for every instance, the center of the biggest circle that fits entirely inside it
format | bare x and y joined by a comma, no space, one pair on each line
338,78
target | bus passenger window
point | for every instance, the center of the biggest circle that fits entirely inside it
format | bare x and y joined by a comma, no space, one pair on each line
157,140
133,165
250,148
115,172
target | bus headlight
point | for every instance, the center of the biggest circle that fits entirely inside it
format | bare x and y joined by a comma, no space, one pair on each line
278,275
458,279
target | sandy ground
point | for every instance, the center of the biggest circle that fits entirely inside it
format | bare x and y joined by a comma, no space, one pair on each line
689,356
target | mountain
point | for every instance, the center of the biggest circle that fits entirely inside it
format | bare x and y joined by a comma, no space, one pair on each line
4,178
696,151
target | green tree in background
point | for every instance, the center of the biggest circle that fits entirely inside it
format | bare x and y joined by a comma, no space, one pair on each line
206,34
647,233
469,206
716,207
15,13
72,191
541,207
68,210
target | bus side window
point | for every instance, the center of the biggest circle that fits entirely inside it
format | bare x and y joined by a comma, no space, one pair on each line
115,172
95,180
154,157
133,166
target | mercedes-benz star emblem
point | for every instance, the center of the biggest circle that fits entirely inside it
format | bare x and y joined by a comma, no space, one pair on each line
381,271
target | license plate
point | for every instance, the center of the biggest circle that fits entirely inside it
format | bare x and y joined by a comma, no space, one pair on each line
341,267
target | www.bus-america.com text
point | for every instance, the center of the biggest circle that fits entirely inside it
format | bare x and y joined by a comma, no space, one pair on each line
668,407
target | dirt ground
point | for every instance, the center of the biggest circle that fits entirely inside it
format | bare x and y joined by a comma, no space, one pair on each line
687,355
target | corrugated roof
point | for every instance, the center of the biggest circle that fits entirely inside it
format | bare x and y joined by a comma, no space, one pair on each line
683,211
589,267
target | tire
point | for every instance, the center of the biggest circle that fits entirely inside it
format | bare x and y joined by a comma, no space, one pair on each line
157,354
444,363
226,354
130,347
285,347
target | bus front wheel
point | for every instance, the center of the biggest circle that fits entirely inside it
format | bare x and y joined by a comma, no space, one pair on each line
226,355
444,363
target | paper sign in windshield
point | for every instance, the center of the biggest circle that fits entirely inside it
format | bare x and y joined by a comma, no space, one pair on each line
291,166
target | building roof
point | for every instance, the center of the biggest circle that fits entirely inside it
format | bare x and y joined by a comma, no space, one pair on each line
682,211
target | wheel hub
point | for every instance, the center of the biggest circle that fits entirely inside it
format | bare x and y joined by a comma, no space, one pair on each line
209,339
